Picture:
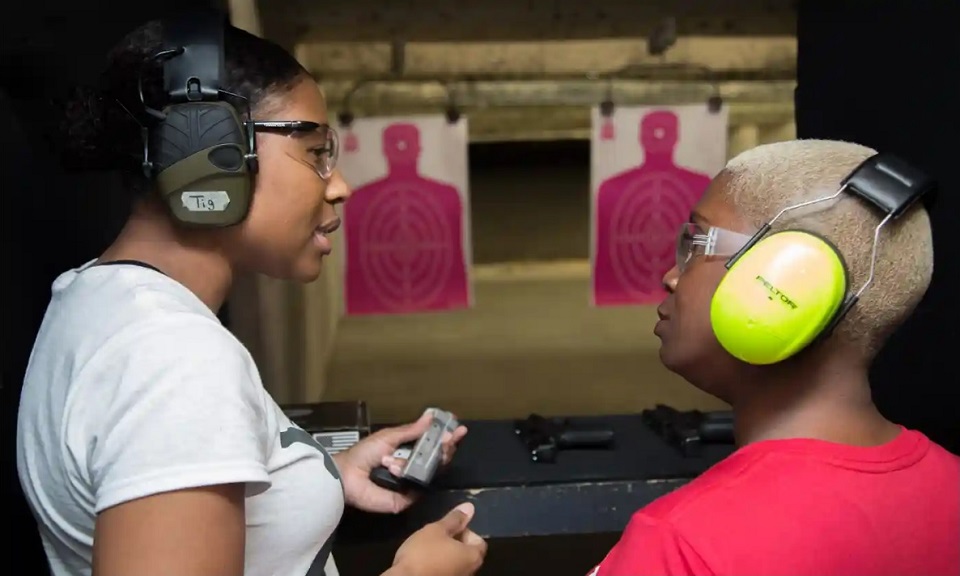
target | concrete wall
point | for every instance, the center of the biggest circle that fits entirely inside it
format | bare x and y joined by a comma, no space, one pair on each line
544,90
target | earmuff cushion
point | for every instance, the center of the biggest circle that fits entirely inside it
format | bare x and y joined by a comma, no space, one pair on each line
203,176
778,297
191,127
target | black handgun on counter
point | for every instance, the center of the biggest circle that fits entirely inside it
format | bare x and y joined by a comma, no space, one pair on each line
545,437
688,431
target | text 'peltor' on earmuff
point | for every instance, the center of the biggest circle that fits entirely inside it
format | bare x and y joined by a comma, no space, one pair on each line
778,296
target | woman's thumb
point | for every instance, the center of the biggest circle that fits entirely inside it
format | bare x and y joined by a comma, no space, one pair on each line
456,520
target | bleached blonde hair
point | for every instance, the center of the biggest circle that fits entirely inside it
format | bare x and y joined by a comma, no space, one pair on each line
764,180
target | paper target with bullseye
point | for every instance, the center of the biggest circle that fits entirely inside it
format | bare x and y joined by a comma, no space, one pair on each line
406,248
648,170
407,243
643,230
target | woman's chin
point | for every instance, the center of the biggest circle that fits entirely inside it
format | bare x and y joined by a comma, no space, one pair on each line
668,356
307,272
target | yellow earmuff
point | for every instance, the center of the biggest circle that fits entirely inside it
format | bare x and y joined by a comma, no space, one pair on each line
778,297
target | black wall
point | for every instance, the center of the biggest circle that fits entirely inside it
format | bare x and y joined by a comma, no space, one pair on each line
50,221
886,74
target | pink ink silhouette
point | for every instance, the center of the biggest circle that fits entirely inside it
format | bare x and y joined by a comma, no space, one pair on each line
404,237
606,129
638,214
351,143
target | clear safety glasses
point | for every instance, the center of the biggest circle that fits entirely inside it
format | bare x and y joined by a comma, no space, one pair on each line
694,242
321,142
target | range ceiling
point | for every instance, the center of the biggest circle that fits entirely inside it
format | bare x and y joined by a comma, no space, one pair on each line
294,21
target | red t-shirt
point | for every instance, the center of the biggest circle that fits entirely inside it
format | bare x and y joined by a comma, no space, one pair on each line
804,508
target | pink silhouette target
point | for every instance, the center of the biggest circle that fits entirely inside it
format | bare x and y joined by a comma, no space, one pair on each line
638,213
404,237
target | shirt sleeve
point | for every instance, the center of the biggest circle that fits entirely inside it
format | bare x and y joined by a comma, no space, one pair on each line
179,405
651,547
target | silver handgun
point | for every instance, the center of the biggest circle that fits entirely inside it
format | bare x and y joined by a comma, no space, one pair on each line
424,457
427,453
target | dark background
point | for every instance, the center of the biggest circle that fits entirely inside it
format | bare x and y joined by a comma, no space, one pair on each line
887,76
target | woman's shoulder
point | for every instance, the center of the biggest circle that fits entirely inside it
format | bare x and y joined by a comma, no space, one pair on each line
124,292
96,304
116,324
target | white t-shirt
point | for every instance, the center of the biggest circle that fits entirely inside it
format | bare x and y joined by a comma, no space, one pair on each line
134,388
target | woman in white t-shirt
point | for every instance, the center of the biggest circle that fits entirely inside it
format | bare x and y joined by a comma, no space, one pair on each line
146,442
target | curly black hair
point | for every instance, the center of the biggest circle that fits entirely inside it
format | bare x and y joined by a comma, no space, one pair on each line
102,124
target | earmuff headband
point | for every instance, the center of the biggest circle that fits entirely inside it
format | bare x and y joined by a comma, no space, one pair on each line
788,289
886,182
196,73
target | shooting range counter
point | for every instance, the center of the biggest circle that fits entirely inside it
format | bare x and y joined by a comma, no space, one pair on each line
583,493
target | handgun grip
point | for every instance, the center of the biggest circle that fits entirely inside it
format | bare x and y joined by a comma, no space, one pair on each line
716,431
382,477
718,416
585,438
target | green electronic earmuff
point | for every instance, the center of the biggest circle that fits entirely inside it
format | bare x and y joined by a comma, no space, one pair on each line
778,297
785,290
199,153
